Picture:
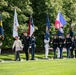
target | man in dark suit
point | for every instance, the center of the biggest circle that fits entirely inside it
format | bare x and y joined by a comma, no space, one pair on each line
26,43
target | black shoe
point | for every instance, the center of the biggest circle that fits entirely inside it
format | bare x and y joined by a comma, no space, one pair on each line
26,59
19,60
32,59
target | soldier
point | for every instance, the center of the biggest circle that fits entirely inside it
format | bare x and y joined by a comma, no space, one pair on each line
26,43
33,41
46,47
75,45
0,43
55,44
72,48
61,44
68,43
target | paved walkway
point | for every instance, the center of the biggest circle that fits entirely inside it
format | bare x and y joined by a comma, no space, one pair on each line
36,59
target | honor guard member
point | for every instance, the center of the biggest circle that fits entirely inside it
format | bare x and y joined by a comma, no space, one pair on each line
55,44
33,45
75,45
0,43
61,44
46,47
68,43
26,44
72,48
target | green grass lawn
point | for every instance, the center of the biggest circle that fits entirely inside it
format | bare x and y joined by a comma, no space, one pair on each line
37,67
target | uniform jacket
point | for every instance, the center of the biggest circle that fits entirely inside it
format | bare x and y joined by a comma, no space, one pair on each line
26,41
61,42
68,42
55,43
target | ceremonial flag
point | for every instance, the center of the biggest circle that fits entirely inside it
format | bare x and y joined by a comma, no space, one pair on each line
15,25
60,32
1,28
47,35
47,22
47,27
60,21
31,26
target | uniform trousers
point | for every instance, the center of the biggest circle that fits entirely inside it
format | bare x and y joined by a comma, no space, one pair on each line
71,52
33,51
46,51
68,52
75,53
60,48
26,52
58,53
55,52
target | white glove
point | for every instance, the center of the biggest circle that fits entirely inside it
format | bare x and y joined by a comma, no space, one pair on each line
70,47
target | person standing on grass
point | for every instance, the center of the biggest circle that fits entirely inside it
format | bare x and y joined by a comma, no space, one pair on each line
46,47
0,46
18,46
33,44
26,44
55,45
68,43
75,45
61,44
72,49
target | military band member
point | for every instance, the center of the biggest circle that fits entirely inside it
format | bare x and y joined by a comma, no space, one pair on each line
55,44
68,43
26,43
46,47
61,44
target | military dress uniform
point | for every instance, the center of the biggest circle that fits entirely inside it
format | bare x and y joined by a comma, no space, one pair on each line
55,45
72,48
61,45
26,43
46,47
75,46
68,45
33,44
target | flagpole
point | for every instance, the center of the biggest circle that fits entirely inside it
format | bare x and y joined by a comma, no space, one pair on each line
58,14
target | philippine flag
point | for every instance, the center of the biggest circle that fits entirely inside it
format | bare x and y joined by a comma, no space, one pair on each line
31,26
60,21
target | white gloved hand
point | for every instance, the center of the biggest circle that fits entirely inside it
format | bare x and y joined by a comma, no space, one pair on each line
70,47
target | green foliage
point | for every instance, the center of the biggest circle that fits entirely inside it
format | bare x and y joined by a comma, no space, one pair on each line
38,8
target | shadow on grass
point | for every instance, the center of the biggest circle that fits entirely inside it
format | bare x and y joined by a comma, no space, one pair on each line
7,59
